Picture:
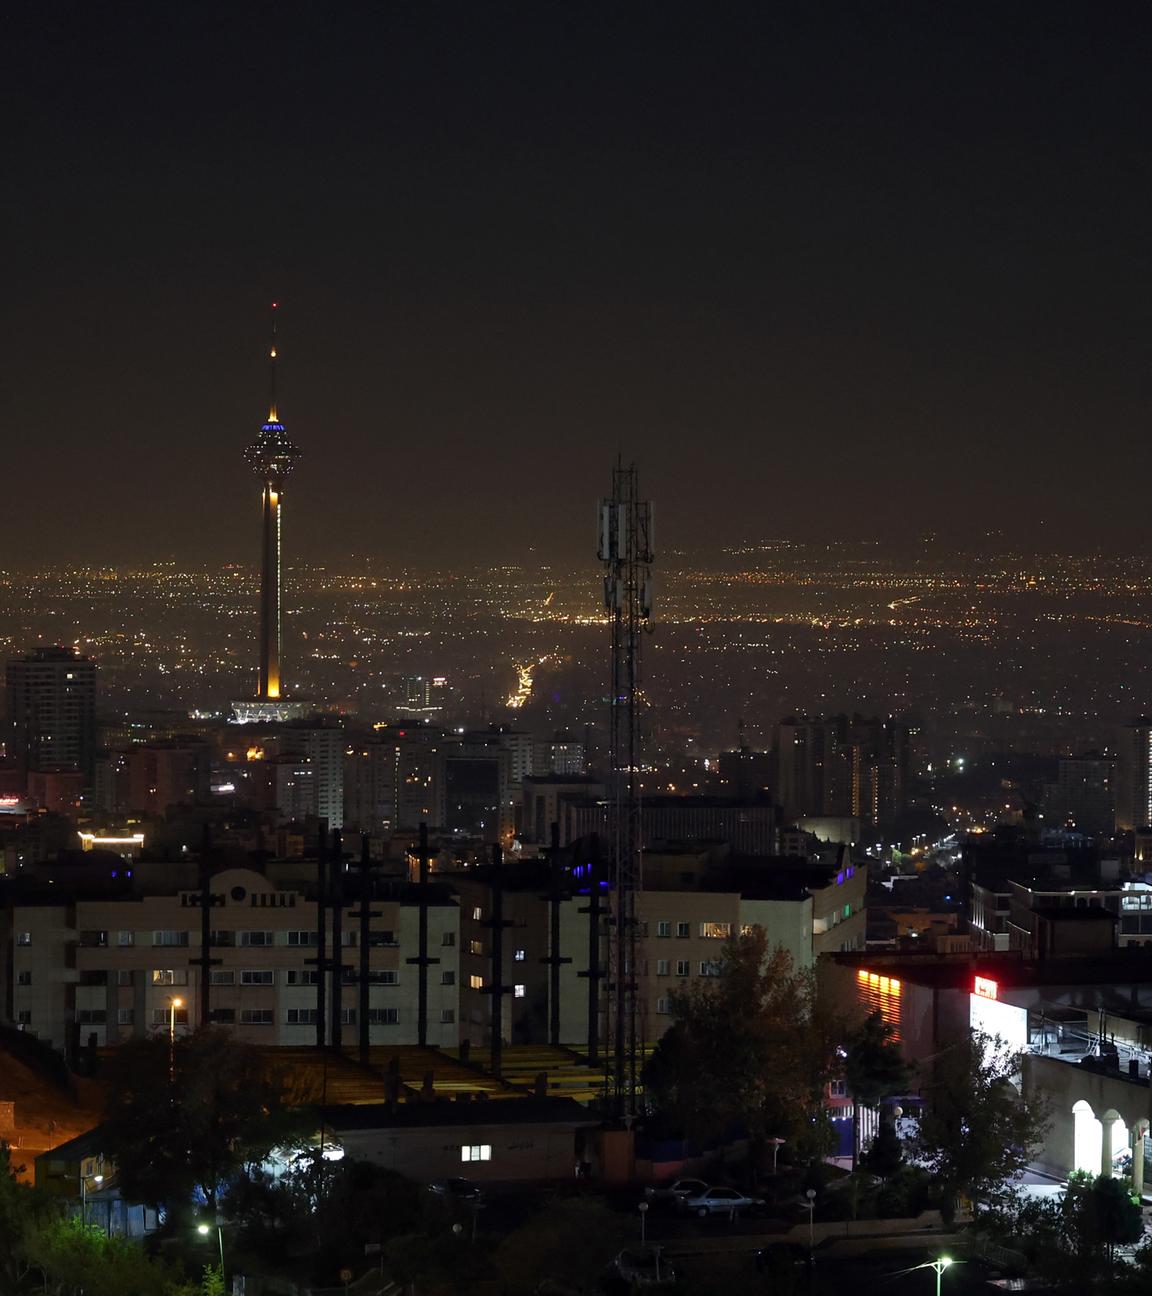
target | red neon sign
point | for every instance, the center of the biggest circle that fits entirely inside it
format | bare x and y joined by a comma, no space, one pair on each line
986,988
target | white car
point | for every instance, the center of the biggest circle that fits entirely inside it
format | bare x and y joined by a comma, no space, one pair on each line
675,1192
721,1201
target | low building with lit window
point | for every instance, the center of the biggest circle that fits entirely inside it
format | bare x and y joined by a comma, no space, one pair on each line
525,1140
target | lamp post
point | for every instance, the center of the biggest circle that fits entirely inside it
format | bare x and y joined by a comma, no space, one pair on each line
173,1003
204,1229
776,1142
97,1179
939,1266
643,1209
811,1195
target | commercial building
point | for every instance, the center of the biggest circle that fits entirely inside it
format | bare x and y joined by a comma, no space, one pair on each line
1082,1024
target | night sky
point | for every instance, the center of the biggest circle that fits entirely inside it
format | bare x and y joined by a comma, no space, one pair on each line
827,271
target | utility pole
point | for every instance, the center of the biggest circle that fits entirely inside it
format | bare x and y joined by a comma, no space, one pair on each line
422,961
365,914
336,902
556,895
205,962
594,975
497,989
320,962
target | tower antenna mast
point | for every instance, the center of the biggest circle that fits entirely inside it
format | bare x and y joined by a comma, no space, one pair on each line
626,552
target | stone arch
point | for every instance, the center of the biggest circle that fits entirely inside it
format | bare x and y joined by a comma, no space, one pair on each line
1087,1133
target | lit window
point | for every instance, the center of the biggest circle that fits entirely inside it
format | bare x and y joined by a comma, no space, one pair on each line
477,914
476,981
476,1152
716,930
518,992
519,956
476,947
169,976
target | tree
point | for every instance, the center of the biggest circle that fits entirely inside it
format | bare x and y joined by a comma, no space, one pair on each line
184,1118
874,1069
77,1259
1071,1239
750,1046
978,1133
22,1210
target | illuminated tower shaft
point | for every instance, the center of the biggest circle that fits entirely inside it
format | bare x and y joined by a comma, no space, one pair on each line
272,457
270,595
626,551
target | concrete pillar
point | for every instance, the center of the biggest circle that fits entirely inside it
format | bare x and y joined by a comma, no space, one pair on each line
1106,1123
1138,1160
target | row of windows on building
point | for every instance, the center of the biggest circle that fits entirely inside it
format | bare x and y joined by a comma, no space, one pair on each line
245,1016
708,967
381,939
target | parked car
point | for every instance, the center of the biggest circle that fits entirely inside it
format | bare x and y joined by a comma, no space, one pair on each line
644,1267
721,1201
459,1190
673,1192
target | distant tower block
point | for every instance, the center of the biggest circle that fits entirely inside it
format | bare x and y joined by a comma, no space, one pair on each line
271,457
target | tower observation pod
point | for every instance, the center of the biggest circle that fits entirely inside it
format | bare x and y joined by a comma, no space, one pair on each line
272,456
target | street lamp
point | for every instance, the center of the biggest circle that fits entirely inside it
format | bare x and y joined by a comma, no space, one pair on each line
204,1229
173,1004
776,1142
97,1179
643,1209
939,1265
811,1195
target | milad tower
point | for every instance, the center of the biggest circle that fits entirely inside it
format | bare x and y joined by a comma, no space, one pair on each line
272,456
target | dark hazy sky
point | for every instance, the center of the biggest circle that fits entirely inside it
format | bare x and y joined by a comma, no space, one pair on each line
823,269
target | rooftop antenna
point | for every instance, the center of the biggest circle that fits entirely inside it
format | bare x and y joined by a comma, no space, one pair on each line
273,416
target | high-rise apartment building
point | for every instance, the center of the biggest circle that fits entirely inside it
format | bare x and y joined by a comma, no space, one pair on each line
842,766
1134,776
52,712
1083,796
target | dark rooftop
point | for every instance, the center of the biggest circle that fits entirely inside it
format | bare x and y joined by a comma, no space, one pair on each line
508,1111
